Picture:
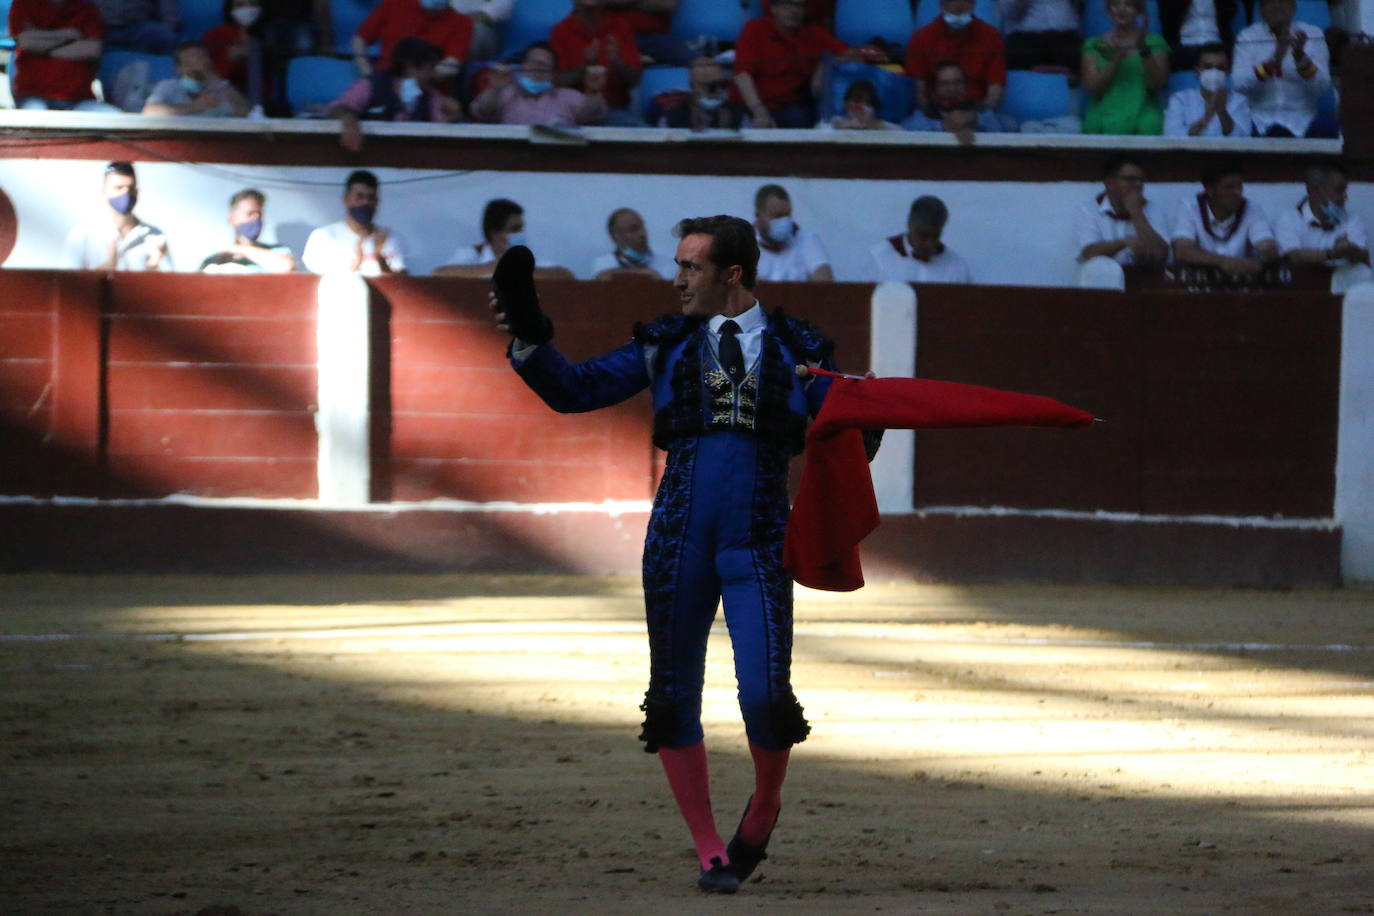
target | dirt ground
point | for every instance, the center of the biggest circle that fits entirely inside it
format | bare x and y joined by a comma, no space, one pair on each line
388,744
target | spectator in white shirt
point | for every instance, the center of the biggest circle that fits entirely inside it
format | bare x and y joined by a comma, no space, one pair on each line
503,226
918,255
1282,68
632,255
355,244
1319,230
1221,229
786,250
196,90
486,16
117,239
1212,110
1118,225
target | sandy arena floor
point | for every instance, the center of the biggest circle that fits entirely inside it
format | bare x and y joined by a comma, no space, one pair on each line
385,744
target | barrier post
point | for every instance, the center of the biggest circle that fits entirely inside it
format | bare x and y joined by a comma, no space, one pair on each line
1355,438
343,406
892,352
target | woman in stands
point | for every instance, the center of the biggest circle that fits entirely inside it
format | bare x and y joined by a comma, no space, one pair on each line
860,110
1122,71
236,48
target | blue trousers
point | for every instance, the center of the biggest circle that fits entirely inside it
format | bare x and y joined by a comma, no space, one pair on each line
715,536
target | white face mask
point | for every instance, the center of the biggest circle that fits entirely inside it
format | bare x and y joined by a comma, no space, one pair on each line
1212,79
410,91
957,20
246,15
710,103
781,230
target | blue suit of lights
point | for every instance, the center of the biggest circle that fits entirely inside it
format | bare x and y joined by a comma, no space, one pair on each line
716,530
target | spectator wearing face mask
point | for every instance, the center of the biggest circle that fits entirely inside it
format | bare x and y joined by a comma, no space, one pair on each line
117,239
409,91
486,16
632,254
432,21
860,110
355,244
786,250
950,110
1212,110
702,107
57,46
530,97
918,256
1320,230
197,90
959,36
236,48
503,227
249,254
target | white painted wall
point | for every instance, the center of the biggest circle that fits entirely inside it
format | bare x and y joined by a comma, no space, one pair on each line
1012,233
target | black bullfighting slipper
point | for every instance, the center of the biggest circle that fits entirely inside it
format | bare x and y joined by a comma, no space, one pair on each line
513,283
746,857
718,879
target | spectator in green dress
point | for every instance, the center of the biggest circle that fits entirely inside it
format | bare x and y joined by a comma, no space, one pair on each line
1122,71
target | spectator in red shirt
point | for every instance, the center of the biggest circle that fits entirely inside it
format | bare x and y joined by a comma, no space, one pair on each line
590,37
429,20
962,37
57,45
236,48
818,12
777,62
650,21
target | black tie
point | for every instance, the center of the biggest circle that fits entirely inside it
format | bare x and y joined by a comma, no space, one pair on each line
731,356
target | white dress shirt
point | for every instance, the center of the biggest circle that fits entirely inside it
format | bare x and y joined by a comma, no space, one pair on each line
1285,99
891,259
797,261
88,246
1187,105
1199,24
1227,237
1298,228
751,323
660,264
1097,222
332,248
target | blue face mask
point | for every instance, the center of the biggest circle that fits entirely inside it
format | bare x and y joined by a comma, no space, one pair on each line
434,6
363,214
192,85
516,238
250,230
124,203
781,230
533,87
1333,212
631,256
957,20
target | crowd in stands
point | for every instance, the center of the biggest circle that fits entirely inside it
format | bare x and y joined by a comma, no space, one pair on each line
1173,67
1219,230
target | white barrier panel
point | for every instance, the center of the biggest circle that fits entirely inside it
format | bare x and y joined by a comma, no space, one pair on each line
1355,443
892,349
343,409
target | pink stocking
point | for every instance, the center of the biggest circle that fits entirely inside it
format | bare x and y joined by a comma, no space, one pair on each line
691,785
770,769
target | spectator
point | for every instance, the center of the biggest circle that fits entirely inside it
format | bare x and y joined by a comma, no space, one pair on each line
248,254
777,65
503,226
1221,229
1119,223
196,90
236,48
117,239
918,256
702,107
588,39
959,36
355,244
1122,71
949,108
532,98
786,250
57,46
650,21
150,26
408,91
1282,69
393,21
1041,33
486,16
632,255
1212,110
818,12
1319,230
1189,26
860,110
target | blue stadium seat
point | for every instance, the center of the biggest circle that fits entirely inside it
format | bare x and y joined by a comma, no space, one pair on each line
199,17
660,79
346,16
695,18
1239,21
1314,12
313,82
531,21
6,40
896,95
1096,20
986,10
856,21
1329,105
1180,80
1032,96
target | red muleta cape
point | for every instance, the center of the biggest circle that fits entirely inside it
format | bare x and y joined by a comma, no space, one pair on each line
835,507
